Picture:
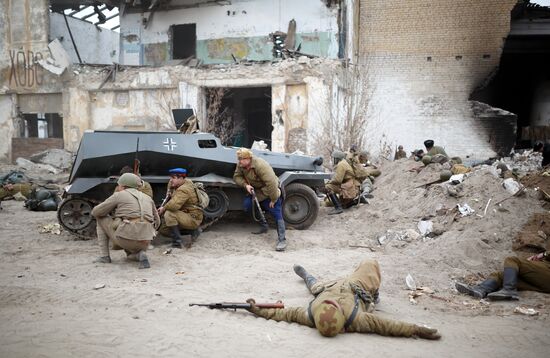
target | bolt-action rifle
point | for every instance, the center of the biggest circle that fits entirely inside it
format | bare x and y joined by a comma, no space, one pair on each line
238,305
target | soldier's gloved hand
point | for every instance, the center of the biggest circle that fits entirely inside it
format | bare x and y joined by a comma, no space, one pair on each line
426,333
253,307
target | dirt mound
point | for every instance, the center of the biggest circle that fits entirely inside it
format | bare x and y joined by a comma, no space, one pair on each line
456,243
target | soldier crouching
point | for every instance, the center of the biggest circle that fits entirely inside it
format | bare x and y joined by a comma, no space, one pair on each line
133,224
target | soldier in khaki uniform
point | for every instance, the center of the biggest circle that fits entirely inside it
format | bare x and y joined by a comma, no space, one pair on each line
343,182
182,210
345,305
400,153
9,190
145,187
532,274
256,175
133,224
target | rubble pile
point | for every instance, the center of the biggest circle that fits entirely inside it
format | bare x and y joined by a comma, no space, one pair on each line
457,228
47,167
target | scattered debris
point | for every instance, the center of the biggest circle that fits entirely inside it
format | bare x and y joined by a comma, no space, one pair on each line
409,280
167,252
180,272
511,186
425,227
526,311
465,209
51,228
99,286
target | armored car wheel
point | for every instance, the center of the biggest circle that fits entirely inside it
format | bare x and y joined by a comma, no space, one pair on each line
75,214
218,204
300,207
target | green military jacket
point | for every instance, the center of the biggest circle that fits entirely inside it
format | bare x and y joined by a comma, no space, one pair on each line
185,199
341,292
262,177
343,172
437,150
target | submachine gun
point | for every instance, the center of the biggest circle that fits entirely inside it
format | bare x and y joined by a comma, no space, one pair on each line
238,305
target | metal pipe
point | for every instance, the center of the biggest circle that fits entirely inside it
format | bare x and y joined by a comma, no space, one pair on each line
72,39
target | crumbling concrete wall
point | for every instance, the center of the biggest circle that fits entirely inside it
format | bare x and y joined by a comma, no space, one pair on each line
94,44
423,60
241,28
6,127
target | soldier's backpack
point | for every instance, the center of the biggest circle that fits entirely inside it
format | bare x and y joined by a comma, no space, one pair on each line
202,195
14,177
43,200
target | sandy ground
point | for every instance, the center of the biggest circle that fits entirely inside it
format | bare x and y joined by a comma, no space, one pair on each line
49,308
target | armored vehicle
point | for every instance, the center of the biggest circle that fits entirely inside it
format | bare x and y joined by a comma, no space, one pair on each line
102,154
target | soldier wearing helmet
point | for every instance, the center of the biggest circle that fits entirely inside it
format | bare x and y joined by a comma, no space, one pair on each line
133,224
344,305
344,181
257,177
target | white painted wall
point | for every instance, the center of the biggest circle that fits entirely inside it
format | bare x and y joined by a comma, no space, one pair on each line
247,18
6,127
95,45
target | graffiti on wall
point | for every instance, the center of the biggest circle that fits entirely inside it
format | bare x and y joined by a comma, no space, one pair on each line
24,69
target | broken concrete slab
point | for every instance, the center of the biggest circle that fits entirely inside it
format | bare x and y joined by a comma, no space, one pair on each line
59,60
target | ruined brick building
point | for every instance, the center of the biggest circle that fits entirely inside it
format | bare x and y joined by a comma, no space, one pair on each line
305,75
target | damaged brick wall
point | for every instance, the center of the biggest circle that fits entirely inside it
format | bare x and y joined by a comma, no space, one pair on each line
423,61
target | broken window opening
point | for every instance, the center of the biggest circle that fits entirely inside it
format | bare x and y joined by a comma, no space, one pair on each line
41,125
184,41
239,116
521,85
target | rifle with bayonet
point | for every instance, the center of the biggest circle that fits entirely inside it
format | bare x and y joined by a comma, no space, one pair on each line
238,305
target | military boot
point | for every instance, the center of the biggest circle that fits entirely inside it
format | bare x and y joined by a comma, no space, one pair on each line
337,206
176,237
263,228
143,260
281,238
308,279
478,291
509,286
195,234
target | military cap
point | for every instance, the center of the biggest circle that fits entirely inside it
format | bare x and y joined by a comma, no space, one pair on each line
129,180
428,143
338,154
180,172
244,153
329,320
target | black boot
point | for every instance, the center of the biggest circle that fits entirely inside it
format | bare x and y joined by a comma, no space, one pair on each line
478,291
308,279
509,286
143,260
263,228
281,238
337,206
176,237
195,234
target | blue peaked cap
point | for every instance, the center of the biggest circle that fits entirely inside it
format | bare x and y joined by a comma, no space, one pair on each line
177,171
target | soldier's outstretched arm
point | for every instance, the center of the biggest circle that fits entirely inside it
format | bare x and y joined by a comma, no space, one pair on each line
179,197
370,323
238,177
291,314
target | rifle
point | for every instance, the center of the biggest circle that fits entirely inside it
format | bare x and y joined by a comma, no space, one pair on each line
262,216
237,305
136,160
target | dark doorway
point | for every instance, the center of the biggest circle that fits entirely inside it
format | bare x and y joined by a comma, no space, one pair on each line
240,116
184,41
